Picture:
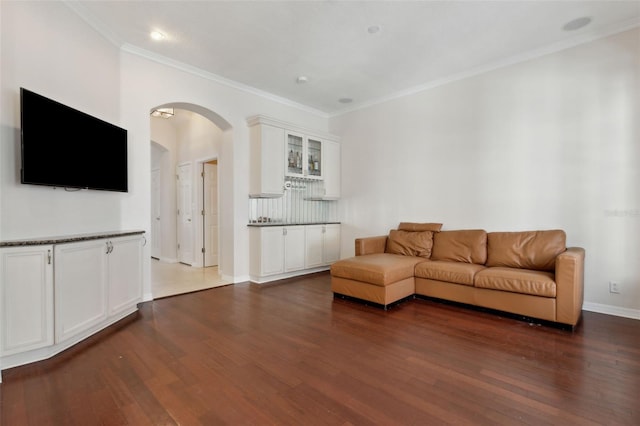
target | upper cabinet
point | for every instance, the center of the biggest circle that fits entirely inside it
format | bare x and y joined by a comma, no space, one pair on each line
304,156
331,163
267,160
282,150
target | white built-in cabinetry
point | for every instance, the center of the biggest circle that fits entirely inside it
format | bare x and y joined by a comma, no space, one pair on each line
331,155
95,280
284,251
280,150
322,245
52,296
26,298
267,161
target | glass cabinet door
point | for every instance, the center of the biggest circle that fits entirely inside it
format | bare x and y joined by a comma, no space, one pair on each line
314,158
295,154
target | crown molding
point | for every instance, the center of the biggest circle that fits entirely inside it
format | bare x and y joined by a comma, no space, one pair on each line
135,50
110,36
516,59
263,119
78,8
95,23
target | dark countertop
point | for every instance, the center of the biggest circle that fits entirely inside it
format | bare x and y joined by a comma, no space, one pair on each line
263,224
67,238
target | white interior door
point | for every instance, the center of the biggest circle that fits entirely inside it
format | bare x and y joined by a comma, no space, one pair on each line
156,238
185,214
210,204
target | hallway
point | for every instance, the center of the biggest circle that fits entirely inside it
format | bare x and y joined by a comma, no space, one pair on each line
170,279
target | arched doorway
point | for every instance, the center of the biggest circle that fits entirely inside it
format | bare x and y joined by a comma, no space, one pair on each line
186,150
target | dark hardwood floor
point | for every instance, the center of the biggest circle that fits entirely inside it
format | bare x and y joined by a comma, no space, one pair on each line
289,354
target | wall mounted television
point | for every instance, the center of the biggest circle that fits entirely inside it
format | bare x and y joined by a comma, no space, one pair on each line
64,147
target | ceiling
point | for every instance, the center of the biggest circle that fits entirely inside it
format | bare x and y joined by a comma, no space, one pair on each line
265,46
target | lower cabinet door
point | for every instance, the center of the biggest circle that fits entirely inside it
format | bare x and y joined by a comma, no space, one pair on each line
294,248
26,298
271,250
314,246
81,271
331,247
125,274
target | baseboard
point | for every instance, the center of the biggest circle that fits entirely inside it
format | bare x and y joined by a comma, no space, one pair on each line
235,279
611,310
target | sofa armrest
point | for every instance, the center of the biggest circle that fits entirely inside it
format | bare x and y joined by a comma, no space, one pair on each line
371,245
570,285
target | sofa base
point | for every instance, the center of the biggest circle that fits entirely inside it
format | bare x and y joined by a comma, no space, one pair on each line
504,314
527,305
373,304
381,295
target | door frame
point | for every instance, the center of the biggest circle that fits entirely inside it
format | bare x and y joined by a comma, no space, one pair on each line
199,225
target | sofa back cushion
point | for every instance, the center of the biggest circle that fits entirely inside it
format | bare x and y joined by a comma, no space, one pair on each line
466,245
412,226
410,243
535,250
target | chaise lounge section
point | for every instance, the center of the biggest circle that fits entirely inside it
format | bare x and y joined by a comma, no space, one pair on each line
527,273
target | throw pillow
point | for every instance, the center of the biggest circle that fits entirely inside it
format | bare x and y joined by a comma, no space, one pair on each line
410,243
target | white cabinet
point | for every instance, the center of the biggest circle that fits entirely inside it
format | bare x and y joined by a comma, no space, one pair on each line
332,177
322,245
26,298
293,248
124,274
267,251
94,281
267,160
303,155
314,246
331,243
81,287
280,150
284,251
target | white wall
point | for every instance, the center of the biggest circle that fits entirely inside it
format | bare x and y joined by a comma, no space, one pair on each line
549,143
47,48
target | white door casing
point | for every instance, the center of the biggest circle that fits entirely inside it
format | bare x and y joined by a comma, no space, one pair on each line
156,227
185,214
210,222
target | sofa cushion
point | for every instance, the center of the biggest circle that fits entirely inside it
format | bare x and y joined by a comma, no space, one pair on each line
526,281
467,245
453,272
528,250
378,269
412,226
410,243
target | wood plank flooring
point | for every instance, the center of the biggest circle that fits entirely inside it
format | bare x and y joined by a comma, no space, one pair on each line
289,354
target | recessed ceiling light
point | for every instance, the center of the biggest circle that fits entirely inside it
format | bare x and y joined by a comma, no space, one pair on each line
157,35
302,79
345,100
576,24
373,29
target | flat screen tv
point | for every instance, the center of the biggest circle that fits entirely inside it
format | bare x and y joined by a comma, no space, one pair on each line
64,147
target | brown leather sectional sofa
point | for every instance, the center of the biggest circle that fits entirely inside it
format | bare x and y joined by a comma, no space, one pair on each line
530,273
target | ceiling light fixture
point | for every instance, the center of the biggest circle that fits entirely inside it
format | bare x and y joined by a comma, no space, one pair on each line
576,24
345,100
162,112
302,79
157,35
373,29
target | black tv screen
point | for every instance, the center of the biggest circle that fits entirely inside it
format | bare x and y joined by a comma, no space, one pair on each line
64,147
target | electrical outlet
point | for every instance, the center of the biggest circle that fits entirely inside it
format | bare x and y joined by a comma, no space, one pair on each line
613,287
